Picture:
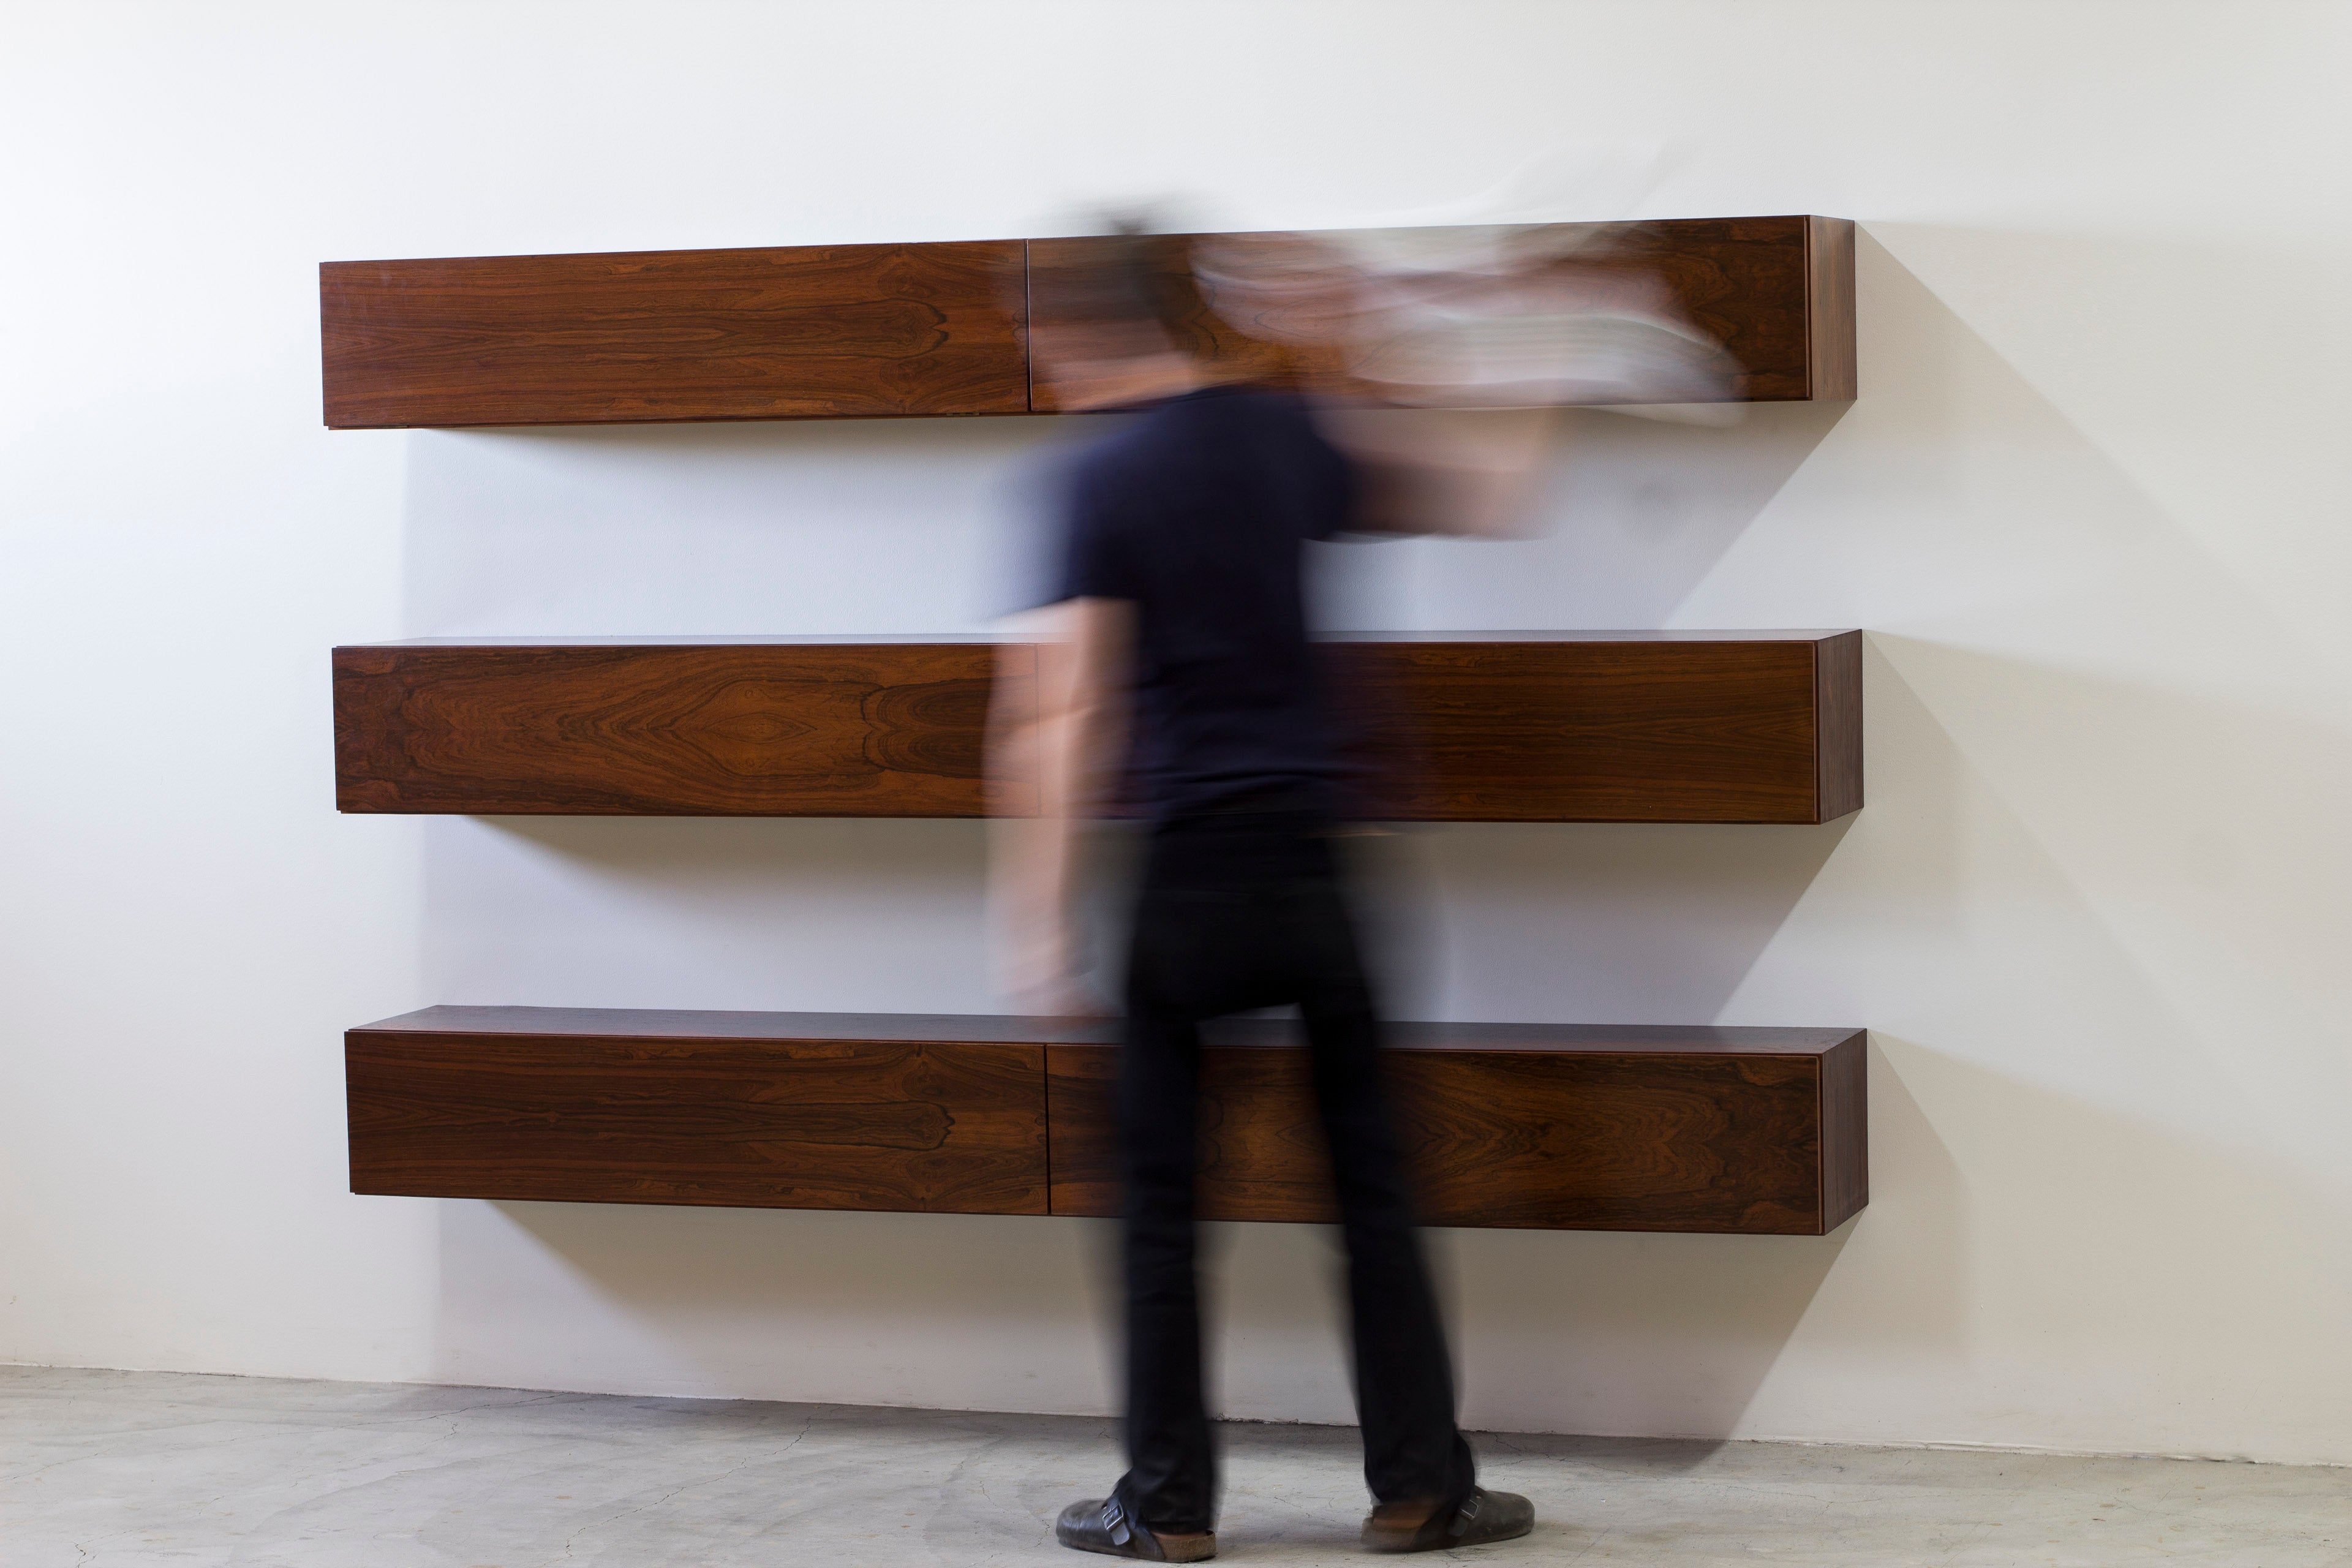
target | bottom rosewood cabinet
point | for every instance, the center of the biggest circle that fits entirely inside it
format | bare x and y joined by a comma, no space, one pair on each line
1566,1127
742,1109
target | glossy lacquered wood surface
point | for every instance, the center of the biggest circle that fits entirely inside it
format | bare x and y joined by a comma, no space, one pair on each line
1832,376
1580,1136
677,729
866,331
794,332
1581,1127
598,1110
1722,727
1608,730
1837,726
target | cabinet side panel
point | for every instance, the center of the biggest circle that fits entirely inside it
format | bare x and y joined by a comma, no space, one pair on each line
1837,743
1829,309
1846,1131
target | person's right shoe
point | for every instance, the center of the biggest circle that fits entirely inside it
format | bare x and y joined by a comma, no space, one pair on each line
1103,1524
1476,1519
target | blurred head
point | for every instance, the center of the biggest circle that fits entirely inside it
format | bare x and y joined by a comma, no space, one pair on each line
1119,318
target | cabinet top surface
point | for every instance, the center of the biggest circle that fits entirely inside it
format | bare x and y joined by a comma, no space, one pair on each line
758,250
895,639
667,1024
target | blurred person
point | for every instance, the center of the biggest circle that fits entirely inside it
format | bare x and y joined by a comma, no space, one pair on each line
1181,606
1486,316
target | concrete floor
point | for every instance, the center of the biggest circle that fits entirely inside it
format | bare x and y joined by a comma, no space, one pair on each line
104,1469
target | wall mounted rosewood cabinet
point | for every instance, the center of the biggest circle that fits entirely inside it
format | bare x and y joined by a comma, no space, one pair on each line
1750,1131
802,332
1501,727
866,331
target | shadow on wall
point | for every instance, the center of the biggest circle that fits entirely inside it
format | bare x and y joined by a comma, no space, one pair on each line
1630,1335
823,526
2073,1277
825,914
2057,1275
1637,513
2108,690
1596,922
974,1312
2199,835
932,524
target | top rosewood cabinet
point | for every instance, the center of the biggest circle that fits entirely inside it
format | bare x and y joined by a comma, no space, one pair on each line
852,331
644,337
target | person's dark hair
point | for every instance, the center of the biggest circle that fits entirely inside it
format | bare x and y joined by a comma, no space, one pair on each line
1137,277
1159,270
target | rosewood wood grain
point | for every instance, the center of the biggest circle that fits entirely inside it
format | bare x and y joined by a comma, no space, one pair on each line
1586,727
1832,370
1716,729
1757,1130
590,1106
867,331
680,728
1596,1129
1776,293
1845,1136
1837,725
795,333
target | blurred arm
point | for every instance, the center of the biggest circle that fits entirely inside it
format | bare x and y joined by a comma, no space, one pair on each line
1058,743
1472,472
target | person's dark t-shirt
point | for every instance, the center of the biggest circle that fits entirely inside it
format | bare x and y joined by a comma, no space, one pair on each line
1199,513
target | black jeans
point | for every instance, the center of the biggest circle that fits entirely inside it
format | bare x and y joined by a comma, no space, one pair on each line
1237,914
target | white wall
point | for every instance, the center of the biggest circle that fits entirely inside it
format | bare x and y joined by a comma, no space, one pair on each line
2089,508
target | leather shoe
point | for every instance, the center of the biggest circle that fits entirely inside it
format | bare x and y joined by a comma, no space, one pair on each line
1104,1525
1480,1518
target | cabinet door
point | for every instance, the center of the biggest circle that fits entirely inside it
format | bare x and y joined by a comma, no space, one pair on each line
954,1126
1570,1139
797,332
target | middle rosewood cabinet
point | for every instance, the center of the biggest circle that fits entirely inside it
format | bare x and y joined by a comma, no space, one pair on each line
1701,726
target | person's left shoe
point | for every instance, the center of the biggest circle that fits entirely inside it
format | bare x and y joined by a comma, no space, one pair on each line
1102,1524
1478,1520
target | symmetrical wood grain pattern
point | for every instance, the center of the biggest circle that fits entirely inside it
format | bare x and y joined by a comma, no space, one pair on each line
799,333
768,1111
1525,1126
677,729
863,331
1777,293
1599,727
1505,727
1529,1126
